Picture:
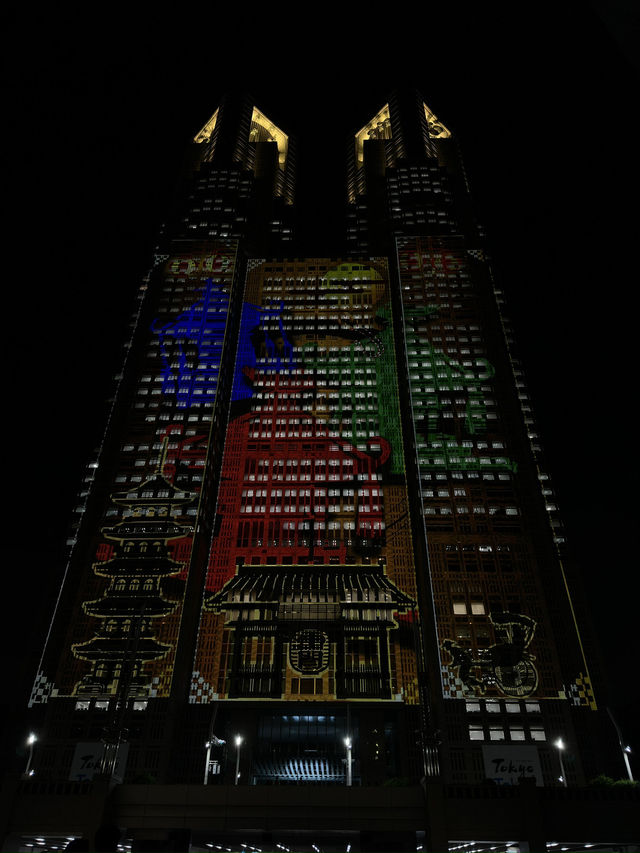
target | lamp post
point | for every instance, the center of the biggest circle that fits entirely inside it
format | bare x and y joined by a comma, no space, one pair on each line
626,751
238,741
348,744
30,742
207,761
559,744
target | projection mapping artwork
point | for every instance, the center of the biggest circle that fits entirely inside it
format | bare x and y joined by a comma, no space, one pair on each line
133,579
191,346
311,589
493,631
134,602
506,665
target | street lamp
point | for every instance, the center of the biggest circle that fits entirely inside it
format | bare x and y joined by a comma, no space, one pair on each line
238,741
626,752
559,744
347,743
206,762
30,742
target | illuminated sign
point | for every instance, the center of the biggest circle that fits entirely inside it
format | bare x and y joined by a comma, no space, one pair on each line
87,761
507,764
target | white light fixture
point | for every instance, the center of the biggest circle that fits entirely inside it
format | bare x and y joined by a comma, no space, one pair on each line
207,761
559,745
626,752
30,742
238,742
347,743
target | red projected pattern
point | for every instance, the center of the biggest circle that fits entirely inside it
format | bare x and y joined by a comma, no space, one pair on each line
289,490
311,569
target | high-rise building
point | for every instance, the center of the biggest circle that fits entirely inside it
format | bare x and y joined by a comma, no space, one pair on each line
319,535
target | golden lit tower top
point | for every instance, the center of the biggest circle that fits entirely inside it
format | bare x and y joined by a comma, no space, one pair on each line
239,132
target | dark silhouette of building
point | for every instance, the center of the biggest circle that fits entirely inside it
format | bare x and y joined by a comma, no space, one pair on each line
319,545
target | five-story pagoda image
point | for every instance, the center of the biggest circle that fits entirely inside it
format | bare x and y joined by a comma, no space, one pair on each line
125,641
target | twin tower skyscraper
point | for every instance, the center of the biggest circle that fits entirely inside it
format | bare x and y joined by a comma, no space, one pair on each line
320,509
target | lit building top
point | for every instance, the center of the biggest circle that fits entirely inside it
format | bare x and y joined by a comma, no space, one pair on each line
378,128
436,129
204,135
264,130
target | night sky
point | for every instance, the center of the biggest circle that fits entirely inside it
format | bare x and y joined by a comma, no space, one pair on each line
541,102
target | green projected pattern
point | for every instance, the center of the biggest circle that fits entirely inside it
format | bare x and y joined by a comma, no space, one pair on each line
449,399
490,609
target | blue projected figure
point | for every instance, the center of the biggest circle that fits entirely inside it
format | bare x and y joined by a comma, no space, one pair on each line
262,342
191,348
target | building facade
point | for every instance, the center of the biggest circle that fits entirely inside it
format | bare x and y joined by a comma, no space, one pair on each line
319,536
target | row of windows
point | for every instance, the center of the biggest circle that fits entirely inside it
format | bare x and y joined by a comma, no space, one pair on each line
476,510
277,493
494,706
457,491
423,349
274,379
469,475
499,733
306,506
103,705
203,417
476,608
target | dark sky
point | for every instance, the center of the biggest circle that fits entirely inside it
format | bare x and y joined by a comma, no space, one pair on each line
541,99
